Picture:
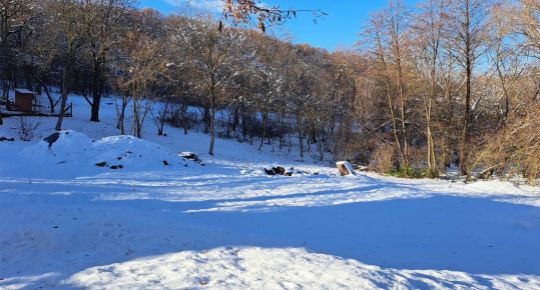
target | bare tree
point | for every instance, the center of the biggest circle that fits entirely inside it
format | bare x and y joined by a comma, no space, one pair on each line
215,59
428,33
67,30
385,30
139,75
103,25
15,15
468,33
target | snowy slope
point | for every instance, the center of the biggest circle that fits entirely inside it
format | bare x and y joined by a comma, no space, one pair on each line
66,223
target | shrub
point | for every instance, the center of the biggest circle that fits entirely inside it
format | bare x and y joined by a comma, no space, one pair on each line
26,127
383,158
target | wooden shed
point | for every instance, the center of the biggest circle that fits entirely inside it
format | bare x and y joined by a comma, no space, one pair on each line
24,100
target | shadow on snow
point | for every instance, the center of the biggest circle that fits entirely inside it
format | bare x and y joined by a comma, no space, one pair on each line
438,232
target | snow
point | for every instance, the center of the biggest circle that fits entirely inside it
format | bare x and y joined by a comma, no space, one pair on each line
24,91
77,151
66,223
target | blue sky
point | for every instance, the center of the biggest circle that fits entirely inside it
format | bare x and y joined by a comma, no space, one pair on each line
339,29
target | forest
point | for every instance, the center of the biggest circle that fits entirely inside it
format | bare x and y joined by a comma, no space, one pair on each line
445,84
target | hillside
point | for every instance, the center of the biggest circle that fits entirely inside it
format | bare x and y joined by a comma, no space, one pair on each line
67,223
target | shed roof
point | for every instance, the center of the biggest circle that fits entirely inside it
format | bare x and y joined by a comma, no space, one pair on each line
24,91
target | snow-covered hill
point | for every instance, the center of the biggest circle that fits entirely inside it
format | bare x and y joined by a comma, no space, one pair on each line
67,223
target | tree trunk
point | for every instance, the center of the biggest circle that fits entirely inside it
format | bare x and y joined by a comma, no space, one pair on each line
432,161
63,102
28,77
449,118
300,138
236,120
212,123
265,128
5,91
137,126
97,89
162,118
122,115
401,85
4,57
52,104
94,114
390,101
321,147
463,155
184,116
206,119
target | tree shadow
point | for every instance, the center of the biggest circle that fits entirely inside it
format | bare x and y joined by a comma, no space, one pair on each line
437,232
472,235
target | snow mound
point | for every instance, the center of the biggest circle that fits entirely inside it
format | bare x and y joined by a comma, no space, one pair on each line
131,152
115,152
60,145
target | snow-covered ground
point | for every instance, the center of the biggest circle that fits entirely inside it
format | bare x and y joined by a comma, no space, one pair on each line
66,223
